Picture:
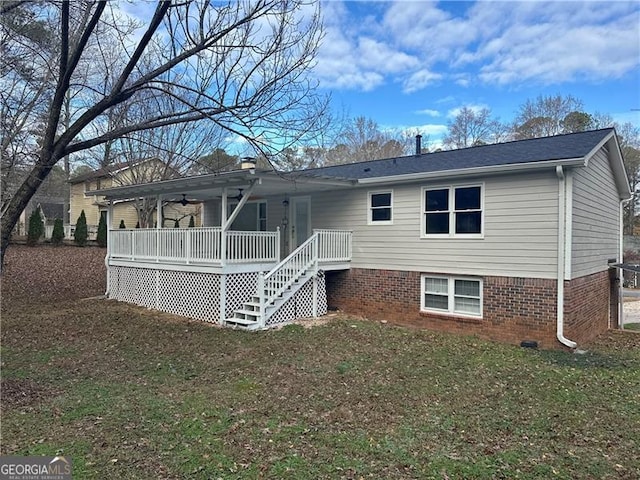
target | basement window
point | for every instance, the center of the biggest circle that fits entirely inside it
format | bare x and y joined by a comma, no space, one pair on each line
380,208
451,295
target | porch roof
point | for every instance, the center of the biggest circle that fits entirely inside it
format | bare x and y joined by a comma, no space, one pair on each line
204,187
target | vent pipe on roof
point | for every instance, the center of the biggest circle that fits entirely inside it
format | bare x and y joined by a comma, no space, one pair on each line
418,144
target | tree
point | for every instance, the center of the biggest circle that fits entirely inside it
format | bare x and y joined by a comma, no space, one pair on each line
122,225
176,224
101,237
576,122
217,161
36,227
192,221
81,234
472,127
240,65
545,116
58,232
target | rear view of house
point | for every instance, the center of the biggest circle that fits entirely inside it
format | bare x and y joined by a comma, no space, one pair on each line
510,241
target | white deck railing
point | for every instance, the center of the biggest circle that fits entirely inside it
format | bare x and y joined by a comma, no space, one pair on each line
204,245
334,245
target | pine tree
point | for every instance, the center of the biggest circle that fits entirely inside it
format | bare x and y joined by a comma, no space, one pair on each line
36,228
58,232
102,232
192,222
176,224
122,225
81,235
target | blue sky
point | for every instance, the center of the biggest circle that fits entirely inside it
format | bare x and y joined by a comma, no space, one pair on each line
412,64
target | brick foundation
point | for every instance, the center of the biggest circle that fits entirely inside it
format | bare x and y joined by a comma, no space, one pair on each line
514,309
586,306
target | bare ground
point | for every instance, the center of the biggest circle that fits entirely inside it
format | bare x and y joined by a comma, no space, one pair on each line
47,274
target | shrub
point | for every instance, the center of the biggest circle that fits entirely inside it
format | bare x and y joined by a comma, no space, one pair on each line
122,225
176,224
81,235
102,232
58,232
36,228
192,222
138,224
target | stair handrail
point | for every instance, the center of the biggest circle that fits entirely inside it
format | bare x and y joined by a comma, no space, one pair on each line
285,273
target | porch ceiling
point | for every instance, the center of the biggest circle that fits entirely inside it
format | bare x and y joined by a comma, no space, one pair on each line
204,187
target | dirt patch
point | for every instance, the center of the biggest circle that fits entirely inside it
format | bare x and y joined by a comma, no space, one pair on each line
47,274
18,392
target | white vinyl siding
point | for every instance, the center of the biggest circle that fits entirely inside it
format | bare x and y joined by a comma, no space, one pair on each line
596,217
519,229
380,209
452,295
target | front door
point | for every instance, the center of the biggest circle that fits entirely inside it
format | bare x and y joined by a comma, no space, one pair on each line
300,221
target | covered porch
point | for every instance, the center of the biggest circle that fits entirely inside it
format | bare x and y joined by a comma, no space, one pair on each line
256,260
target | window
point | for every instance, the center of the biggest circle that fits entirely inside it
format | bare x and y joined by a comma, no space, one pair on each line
380,207
452,211
252,217
451,295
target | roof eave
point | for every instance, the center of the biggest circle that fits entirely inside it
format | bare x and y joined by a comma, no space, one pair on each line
475,171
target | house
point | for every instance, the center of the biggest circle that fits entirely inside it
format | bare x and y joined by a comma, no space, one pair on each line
510,241
82,198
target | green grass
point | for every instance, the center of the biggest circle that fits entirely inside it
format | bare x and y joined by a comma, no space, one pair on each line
632,326
129,393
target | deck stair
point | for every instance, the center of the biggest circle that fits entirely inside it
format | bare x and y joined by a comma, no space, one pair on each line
277,286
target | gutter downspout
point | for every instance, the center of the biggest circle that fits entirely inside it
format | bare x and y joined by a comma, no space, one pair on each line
621,271
561,259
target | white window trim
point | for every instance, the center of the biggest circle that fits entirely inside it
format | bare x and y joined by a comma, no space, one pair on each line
370,220
450,296
451,212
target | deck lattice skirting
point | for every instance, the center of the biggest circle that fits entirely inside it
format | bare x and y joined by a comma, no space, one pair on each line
197,295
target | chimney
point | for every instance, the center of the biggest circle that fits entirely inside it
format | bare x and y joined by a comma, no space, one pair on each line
418,144
247,163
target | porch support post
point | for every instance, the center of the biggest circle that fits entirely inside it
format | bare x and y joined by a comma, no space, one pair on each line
158,225
223,230
108,255
159,211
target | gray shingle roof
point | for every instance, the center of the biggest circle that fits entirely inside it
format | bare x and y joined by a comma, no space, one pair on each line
560,147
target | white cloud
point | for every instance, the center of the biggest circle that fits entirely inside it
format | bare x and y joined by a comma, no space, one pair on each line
419,80
417,44
475,108
429,112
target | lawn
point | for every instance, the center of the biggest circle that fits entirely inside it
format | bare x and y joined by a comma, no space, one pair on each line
131,393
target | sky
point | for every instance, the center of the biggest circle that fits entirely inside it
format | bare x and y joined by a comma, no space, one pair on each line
414,64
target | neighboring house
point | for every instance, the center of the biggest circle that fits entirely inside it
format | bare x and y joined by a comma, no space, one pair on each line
83,186
50,209
510,241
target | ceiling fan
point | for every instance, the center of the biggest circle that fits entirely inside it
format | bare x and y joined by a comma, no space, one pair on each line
184,202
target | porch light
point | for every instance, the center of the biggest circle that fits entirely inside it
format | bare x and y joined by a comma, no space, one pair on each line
285,203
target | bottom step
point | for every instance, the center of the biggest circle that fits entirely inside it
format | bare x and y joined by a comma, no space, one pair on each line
242,323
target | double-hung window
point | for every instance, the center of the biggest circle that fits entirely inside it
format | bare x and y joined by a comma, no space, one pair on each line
452,295
452,211
380,208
